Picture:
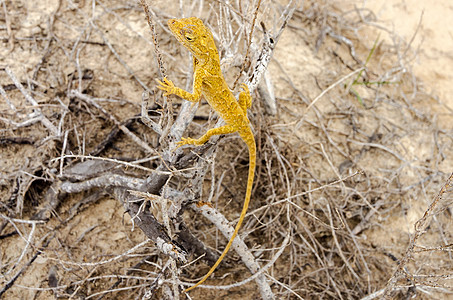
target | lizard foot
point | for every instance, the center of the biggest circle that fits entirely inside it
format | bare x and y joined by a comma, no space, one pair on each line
245,88
186,141
167,86
245,100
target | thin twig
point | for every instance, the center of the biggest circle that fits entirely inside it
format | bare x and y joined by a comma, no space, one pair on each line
33,102
124,129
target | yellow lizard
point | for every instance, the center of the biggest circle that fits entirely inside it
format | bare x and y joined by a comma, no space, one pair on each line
209,82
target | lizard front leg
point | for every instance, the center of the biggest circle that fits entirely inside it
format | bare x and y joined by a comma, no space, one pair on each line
245,99
170,89
203,139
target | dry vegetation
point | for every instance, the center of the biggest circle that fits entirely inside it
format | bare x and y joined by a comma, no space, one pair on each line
352,198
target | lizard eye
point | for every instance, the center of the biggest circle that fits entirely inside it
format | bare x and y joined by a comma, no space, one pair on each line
188,38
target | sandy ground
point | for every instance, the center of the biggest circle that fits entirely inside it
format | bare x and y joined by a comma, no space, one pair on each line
428,25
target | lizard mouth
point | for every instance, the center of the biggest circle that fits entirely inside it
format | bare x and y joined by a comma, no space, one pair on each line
184,31
174,26
171,23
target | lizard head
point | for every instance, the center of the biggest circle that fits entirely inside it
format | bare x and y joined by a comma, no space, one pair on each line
194,35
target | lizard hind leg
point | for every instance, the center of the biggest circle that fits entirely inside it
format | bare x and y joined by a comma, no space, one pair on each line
245,99
203,139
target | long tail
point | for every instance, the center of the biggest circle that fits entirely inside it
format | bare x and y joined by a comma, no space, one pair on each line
250,141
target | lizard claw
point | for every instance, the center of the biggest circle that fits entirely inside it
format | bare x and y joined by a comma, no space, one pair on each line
167,86
186,141
245,100
179,144
245,88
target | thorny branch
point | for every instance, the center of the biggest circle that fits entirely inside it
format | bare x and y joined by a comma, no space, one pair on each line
439,204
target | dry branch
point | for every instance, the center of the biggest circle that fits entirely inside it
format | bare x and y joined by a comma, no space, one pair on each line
440,203
39,115
136,139
238,245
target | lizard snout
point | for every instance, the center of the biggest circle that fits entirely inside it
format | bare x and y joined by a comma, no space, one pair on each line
171,23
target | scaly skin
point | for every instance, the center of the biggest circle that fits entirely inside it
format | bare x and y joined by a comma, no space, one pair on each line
209,82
